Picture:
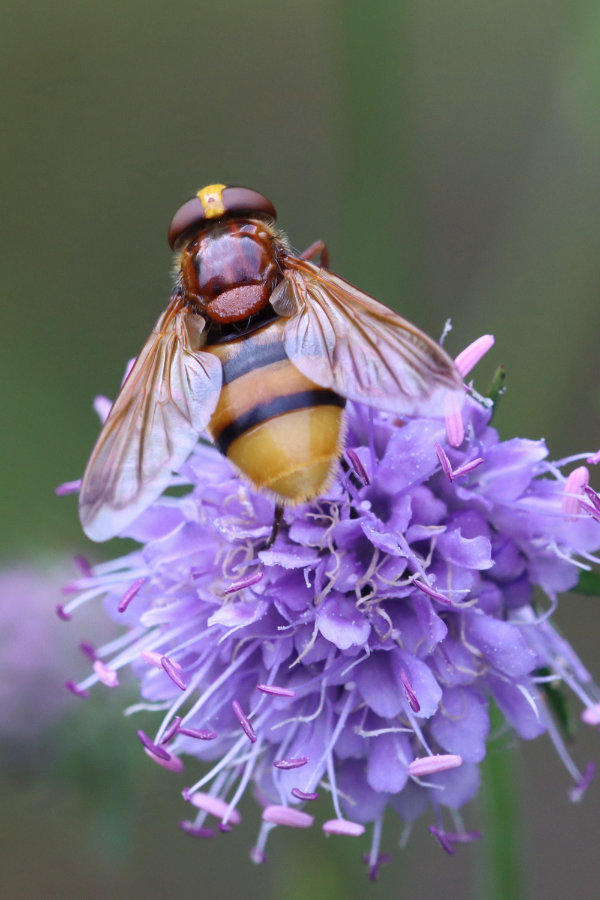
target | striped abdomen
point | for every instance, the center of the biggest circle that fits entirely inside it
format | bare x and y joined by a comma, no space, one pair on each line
280,428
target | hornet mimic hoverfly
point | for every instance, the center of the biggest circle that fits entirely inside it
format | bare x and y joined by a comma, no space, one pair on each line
261,348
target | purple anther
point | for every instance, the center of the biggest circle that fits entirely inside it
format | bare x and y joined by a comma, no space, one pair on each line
244,721
105,674
593,496
196,831
243,583
224,828
68,487
357,465
277,691
382,860
576,793
304,795
435,595
442,840
470,356
171,729
152,747
594,458
287,815
79,692
198,733
291,763
592,510
343,826
88,650
444,462
62,613
429,765
83,565
411,696
467,467
171,668
130,594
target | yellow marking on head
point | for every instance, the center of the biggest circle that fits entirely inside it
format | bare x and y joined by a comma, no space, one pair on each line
211,198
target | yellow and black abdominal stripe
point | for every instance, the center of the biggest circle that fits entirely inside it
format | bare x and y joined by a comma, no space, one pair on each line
279,427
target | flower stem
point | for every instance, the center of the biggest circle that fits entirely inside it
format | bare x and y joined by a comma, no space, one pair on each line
502,876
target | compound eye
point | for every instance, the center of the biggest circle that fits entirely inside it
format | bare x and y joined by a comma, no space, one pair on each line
187,216
241,199
213,203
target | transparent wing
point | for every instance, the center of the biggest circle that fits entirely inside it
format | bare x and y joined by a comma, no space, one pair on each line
347,341
164,404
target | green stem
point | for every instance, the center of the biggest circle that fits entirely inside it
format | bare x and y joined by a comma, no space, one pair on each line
502,844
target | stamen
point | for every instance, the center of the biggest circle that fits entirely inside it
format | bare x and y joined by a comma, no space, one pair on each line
214,806
155,659
444,462
343,826
130,594
591,715
277,691
468,358
431,592
576,793
594,458
244,721
467,467
244,583
304,795
286,815
573,491
106,675
83,565
196,830
429,765
171,730
68,487
88,650
357,465
171,669
79,692
412,697
152,747
442,840
291,763
173,763
258,856
62,613
455,430
199,734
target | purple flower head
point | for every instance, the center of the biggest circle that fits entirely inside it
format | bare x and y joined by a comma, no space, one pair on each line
356,657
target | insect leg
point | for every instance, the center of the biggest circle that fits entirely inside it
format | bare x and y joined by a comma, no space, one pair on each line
277,519
314,249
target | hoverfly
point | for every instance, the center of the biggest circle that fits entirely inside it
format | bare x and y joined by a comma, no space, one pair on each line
261,348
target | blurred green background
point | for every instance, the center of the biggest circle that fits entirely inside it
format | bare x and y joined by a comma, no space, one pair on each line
449,154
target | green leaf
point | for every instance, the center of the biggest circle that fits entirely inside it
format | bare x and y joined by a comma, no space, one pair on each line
589,583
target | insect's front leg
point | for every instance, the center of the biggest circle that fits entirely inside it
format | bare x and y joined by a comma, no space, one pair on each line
277,519
314,249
